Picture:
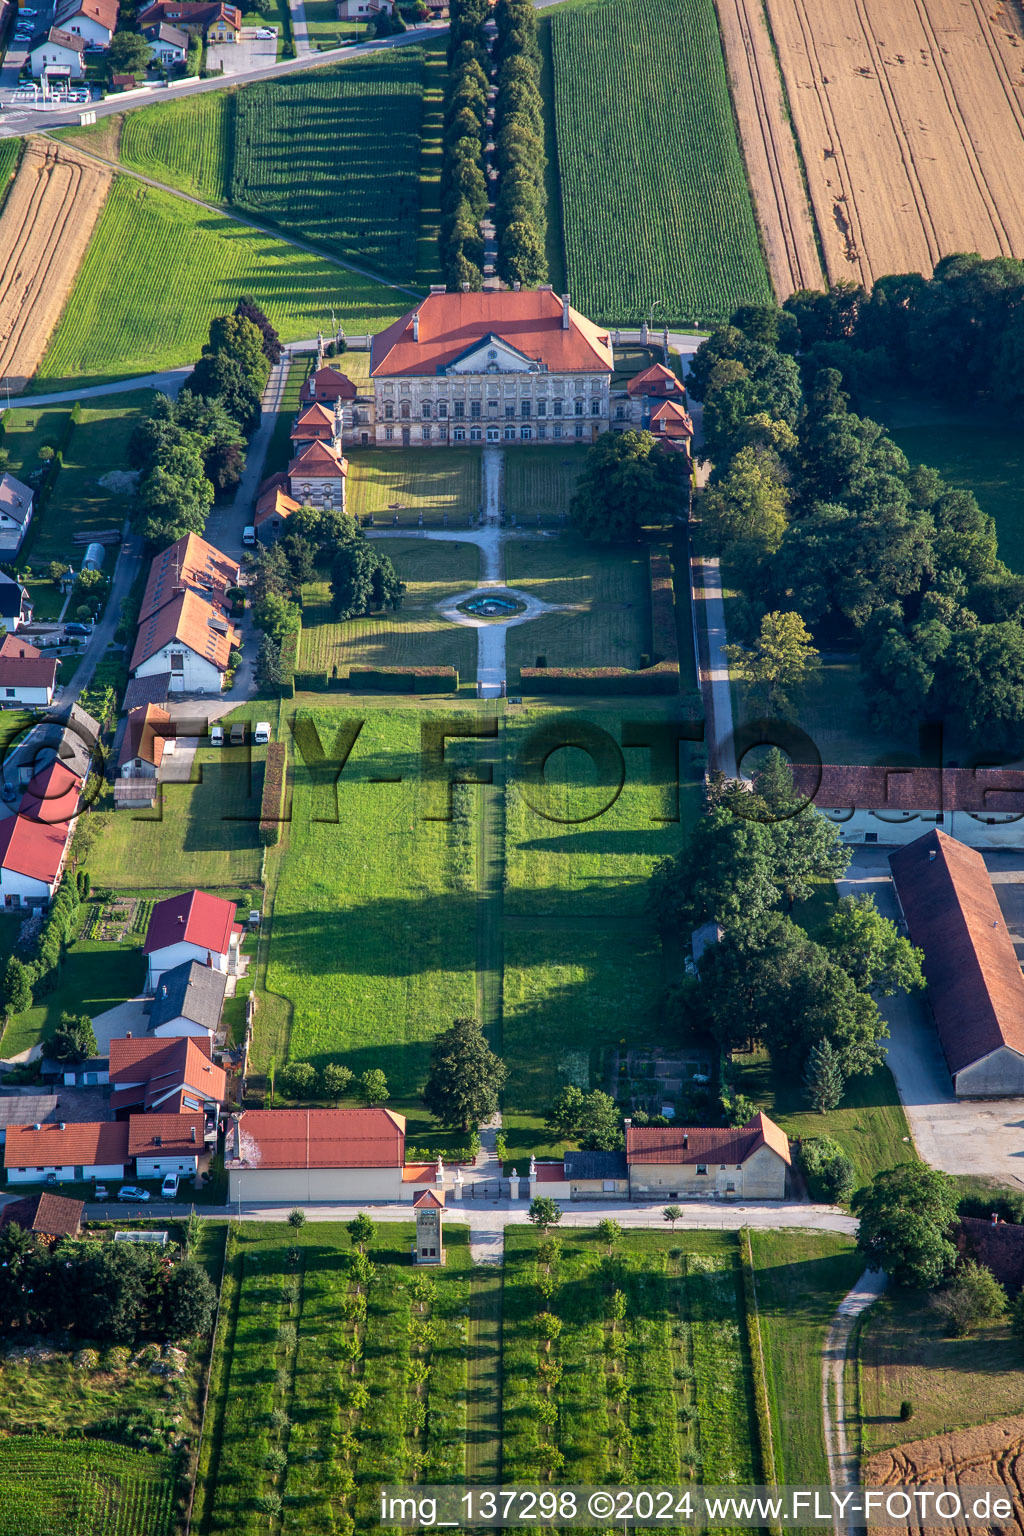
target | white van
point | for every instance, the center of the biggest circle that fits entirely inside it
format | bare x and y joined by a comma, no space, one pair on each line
261,735
249,534
216,735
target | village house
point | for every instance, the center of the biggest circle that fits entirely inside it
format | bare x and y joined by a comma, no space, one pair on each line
199,18
34,841
168,44
58,57
15,605
975,986
146,731
362,10
676,1162
167,1077
163,1144
90,1149
95,21
27,677
68,735
982,807
46,1216
491,367
327,385
185,633
192,926
274,507
189,1000
318,1154
17,503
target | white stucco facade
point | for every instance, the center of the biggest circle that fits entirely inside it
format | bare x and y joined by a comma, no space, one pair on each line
761,1177
189,672
310,1184
66,1174
166,959
894,828
159,1167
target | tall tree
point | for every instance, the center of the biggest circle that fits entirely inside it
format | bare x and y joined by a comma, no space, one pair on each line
822,1077
906,1215
779,663
870,948
628,481
465,1076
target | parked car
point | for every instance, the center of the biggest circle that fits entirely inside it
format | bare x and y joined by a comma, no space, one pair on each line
265,32
100,1192
27,10
78,629
169,1187
249,534
133,1192
254,917
261,735
237,737
216,735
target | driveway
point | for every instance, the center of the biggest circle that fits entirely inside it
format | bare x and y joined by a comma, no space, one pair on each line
957,1136
247,54
117,1023
179,757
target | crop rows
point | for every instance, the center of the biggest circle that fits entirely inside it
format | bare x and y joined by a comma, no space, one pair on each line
657,211
184,143
50,1486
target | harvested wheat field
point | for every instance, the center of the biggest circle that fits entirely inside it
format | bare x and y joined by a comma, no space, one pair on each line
989,1456
910,117
773,169
45,227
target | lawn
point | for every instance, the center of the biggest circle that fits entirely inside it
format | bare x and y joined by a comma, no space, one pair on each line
374,938
26,430
606,594
413,635
279,449
644,148
93,977
332,1375
434,74
10,154
395,486
800,1279
203,833
324,27
541,481
905,1354
648,1377
158,269
869,1123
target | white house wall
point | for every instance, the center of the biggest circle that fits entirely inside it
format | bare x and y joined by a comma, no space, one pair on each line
159,1167
312,1184
166,959
893,829
17,889
199,675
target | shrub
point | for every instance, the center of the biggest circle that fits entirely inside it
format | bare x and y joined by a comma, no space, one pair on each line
405,679
297,1217
906,1410
828,1170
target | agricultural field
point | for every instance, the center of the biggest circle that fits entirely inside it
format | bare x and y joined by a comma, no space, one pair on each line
402,483
158,269
644,1376
374,913
910,125
187,144
413,635
333,1372
606,594
642,149
10,153
49,1485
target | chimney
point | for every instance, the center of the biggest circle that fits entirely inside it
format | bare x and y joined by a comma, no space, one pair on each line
128,1035
686,1140
63,1125
465,287
565,311
415,325
628,1122
181,917
995,1219
193,1134
438,288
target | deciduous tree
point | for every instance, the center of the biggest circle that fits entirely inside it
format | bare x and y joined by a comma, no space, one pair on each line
465,1076
906,1215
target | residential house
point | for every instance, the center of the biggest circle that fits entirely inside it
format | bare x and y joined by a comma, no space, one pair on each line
168,44
189,1000
34,841
185,630
596,1175
654,401
17,503
301,1155
58,56
168,1077
46,1216
363,10
15,605
27,677
91,1149
93,20
677,1162
192,926
982,807
274,507
496,366
199,18
142,745
163,1144
975,986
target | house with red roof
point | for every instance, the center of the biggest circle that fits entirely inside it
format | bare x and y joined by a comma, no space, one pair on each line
678,1162
192,926
34,841
93,20
147,729
163,1144
185,631
895,804
152,1075
65,1150
27,677
318,471
327,385
491,367
201,18
274,506
318,1154
654,400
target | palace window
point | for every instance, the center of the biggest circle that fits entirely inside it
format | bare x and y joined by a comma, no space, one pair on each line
425,409
510,412
595,407
460,409
459,434
405,410
524,409
389,410
526,433
389,434
426,434
579,407
474,409
442,408
542,407
558,407
474,434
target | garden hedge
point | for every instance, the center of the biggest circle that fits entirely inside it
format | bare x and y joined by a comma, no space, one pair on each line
404,679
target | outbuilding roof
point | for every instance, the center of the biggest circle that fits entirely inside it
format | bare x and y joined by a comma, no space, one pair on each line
145,735
317,1138
680,1144
47,1215
656,380
872,787
328,384
159,1135
27,671
595,1165
15,499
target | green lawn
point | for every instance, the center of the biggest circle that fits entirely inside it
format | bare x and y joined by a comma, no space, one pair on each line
158,269
374,940
324,27
606,594
327,1381
93,977
186,143
404,482
541,480
644,148
26,429
10,154
279,449
985,456
905,1354
415,634
800,1278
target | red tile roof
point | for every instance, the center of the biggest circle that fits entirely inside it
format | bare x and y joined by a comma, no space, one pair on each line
274,503
670,419
102,11
14,645
316,421
450,324
194,917
160,1135
51,795
199,12
319,1138
48,1215
429,1200
194,623
88,1142
680,1144
27,671
880,787
146,732
33,848
419,1173
318,459
189,562
656,380
974,978
328,384
157,1073
549,1173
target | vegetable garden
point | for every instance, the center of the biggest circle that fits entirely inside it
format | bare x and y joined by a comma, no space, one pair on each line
657,210
48,1485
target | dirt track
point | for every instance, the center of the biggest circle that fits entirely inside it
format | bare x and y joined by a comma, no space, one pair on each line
992,1455
910,116
783,212
45,226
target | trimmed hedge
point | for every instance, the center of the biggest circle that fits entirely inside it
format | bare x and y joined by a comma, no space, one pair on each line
289,661
662,677
272,806
404,679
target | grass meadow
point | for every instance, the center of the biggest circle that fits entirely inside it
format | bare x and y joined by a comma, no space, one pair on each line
157,271
606,594
405,482
332,1373
644,148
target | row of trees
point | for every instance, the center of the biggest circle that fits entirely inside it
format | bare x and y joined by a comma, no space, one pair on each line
825,521
750,856
521,207
109,1291
193,449
463,182
28,976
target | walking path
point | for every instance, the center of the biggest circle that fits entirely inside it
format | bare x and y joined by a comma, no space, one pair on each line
300,29
838,1406
707,582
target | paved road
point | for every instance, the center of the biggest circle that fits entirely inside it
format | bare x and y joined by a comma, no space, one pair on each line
707,586
170,381
300,28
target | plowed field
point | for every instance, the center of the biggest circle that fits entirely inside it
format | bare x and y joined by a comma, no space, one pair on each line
44,229
991,1456
910,116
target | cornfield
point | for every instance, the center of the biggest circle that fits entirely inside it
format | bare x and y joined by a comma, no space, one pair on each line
657,211
49,1485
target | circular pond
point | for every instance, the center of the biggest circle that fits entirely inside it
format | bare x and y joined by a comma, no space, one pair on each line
492,605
